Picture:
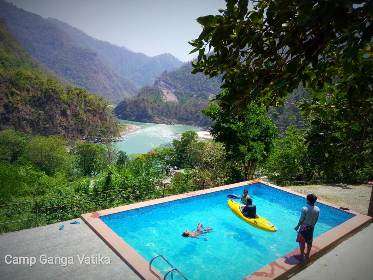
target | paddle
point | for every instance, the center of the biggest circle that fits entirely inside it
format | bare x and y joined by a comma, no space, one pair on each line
233,196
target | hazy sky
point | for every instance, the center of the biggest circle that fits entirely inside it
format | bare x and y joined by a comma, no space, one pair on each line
149,26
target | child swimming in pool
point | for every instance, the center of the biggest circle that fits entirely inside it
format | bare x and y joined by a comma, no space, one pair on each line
199,230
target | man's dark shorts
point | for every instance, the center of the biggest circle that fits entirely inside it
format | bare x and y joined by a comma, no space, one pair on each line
305,234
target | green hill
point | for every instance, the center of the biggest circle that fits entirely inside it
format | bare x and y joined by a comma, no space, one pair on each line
179,96
34,101
100,67
176,97
56,51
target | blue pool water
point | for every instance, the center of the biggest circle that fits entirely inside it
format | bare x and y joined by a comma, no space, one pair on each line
234,249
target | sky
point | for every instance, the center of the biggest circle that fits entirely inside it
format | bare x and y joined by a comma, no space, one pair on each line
149,26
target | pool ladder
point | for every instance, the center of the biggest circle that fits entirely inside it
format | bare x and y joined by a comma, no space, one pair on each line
169,272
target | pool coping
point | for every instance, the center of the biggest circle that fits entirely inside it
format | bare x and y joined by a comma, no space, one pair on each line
282,268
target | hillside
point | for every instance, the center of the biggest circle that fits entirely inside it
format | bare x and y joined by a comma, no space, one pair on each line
139,68
179,96
176,97
104,69
53,48
34,101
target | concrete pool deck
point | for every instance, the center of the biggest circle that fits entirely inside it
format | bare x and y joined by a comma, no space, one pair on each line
353,255
75,240
350,260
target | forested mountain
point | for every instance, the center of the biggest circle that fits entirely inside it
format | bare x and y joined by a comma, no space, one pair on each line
179,97
139,68
104,69
176,97
34,101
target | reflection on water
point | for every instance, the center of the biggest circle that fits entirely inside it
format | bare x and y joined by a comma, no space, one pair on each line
149,136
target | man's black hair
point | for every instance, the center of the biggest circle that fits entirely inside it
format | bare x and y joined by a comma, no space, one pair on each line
311,198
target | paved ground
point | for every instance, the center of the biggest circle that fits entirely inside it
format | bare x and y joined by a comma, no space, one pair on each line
355,197
73,242
350,260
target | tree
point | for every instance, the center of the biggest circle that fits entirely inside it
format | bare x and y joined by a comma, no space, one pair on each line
122,158
12,144
247,136
91,158
264,53
48,153
340,135
288,159
187,150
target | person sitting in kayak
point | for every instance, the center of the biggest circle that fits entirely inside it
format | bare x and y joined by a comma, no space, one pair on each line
199,230
249,210
245,196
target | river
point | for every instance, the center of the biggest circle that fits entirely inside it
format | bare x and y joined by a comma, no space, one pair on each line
149,136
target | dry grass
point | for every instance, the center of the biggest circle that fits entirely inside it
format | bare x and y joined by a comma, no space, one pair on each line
355,197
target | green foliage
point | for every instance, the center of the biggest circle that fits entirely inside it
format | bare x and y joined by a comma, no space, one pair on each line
288,160
187,150
340,135
35,101
184,181
91,158
38,188
12,144
212,159
247,136
264,53
122,158
49,154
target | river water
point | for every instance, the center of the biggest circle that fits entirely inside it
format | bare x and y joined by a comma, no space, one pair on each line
150,136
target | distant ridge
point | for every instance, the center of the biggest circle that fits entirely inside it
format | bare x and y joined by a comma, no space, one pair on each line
104,69
35,102
139,68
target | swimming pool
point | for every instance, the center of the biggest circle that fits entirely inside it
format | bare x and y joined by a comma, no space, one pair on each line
233,249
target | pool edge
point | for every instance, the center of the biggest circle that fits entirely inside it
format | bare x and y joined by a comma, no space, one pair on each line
282,268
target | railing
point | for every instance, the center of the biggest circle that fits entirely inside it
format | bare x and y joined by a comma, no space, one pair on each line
170,271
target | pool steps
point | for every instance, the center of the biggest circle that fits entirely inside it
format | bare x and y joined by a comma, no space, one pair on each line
169,272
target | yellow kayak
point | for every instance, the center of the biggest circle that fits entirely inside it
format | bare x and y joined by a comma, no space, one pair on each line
258,222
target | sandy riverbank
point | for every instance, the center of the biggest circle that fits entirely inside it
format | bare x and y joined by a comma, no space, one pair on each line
204,135
127,129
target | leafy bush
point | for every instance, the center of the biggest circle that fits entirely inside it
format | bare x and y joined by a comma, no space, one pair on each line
12,145
91,158
288,159
187,150
49,154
